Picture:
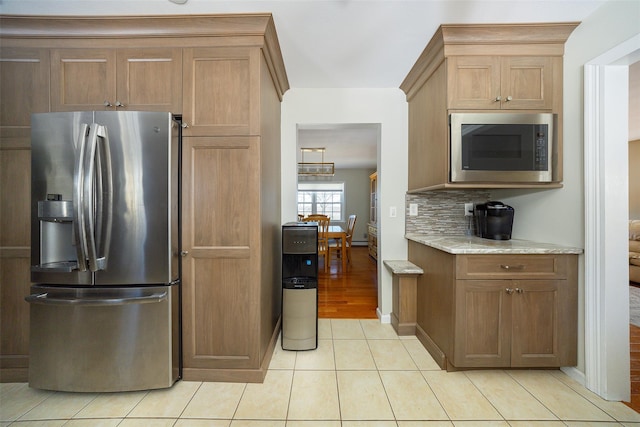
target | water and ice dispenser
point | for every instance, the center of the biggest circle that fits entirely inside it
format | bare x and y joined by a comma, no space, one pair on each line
299,286
57,249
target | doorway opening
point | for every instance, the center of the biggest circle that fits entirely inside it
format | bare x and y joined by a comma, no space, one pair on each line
606,219
341,190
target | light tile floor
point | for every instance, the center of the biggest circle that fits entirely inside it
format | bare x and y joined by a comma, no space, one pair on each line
361,375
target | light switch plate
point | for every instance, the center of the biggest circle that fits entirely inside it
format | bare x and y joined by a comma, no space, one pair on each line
413,209
392,211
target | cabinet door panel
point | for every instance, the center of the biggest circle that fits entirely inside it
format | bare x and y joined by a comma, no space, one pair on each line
15,192
221,91
24,85
474,82
15,253
82,79
482,324
528,81
536,313
14,316
150,79
220,279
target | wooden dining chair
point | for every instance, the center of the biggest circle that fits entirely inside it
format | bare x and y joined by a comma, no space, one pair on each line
351,225
323,236
323,240
315,217
337,246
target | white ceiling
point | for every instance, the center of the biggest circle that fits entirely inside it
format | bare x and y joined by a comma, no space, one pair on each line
339,43
347,145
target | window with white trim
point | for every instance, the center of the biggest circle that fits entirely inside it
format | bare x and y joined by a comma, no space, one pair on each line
321,198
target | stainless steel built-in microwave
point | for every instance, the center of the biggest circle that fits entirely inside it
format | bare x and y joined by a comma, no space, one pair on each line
503,147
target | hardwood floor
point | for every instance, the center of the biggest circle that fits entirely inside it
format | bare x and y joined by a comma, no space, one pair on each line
352,294
634,341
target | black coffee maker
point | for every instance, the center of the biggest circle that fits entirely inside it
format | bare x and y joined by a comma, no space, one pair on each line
494,220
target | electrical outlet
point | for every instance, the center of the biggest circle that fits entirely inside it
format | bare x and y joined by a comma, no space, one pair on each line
392,211
413,209
468,209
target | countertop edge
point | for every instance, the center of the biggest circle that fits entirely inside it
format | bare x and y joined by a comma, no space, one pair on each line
457,245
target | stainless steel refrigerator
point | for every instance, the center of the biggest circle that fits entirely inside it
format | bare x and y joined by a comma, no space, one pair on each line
104,300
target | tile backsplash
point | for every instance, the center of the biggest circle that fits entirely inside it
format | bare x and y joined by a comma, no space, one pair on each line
442,212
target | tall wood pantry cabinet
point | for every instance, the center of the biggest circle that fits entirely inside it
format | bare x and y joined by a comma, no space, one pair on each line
24,87
225,75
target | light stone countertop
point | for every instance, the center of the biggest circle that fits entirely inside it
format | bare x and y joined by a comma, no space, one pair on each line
477,245
403,267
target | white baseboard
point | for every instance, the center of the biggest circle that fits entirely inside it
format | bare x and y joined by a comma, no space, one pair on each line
575,374
384,318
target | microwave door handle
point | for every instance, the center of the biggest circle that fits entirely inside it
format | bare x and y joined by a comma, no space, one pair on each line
104,197
80,239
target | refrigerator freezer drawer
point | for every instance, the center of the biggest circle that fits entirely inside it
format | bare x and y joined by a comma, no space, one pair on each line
103,340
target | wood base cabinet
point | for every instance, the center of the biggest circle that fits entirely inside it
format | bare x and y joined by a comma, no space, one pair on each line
497,311
511,323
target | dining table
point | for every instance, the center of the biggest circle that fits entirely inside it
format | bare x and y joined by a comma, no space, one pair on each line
337,232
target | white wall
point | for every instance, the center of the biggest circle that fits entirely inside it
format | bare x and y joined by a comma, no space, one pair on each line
634,101
388,107
558,215
634,141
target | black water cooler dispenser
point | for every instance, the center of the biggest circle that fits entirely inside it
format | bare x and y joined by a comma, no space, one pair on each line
300,286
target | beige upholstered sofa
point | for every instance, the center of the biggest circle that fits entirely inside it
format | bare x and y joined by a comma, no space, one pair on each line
634,250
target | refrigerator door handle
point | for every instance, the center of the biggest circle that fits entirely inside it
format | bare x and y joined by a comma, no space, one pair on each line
80,238
44,298
104,197
96,185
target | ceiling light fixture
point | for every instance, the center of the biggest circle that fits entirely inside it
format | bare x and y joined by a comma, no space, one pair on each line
179,1
321,168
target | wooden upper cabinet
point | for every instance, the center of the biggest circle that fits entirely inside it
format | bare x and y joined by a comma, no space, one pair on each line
149,79
24,85
474,82
221,91
494,83
128,79
527,83
82,79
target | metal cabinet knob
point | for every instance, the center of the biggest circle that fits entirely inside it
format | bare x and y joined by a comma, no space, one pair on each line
520,291
509,98
119,104
184,253
107,104
498,98
509,291
185,125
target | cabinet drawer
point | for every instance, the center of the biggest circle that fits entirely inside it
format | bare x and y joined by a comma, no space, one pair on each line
511,266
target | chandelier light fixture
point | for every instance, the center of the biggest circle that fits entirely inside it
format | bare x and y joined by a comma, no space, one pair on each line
320,168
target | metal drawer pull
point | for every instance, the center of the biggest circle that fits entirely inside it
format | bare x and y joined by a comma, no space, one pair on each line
512,267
